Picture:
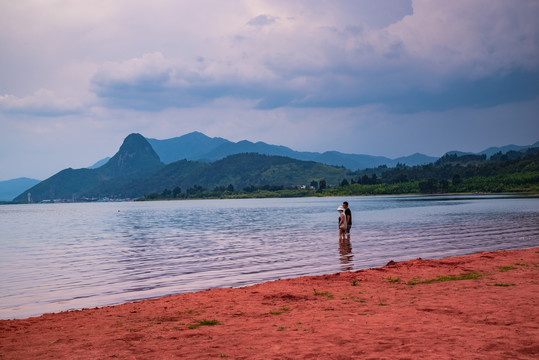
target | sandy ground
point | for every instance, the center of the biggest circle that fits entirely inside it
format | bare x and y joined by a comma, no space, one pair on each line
487,309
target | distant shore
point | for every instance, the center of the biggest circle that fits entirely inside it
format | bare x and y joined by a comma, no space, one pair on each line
482,306
284,194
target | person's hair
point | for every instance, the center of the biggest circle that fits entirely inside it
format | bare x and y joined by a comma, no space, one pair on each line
345,203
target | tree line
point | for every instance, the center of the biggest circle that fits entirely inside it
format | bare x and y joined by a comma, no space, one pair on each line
511,172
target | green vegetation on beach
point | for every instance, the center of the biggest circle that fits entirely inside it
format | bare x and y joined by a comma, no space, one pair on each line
466,276
205,322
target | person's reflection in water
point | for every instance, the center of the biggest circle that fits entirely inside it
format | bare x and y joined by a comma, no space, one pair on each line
345,250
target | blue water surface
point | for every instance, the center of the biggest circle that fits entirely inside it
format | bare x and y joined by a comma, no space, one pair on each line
56,257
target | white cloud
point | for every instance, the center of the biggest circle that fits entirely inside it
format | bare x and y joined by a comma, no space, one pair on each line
133,71
42,103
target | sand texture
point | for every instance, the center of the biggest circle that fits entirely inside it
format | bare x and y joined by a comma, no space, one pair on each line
479,306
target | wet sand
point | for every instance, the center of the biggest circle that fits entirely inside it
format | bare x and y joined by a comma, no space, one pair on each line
479,306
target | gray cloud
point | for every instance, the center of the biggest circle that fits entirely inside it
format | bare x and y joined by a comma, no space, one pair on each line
262,20
412,65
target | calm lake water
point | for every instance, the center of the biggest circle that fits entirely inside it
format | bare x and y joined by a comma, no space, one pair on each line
56,257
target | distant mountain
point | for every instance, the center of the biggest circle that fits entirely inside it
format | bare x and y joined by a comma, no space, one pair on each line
504,149
197,146
412,160
99,163
192,146
9,189
458,153
493,150
135,159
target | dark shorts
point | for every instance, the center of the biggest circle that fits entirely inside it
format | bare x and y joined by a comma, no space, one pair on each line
348,229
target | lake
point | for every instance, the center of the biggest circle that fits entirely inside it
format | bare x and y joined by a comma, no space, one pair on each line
56,257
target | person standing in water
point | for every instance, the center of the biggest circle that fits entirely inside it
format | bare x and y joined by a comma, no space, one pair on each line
348,215
342,223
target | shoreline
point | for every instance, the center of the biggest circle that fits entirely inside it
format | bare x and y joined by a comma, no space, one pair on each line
482,305
527,193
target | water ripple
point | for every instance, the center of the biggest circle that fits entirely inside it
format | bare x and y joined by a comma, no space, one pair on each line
68,256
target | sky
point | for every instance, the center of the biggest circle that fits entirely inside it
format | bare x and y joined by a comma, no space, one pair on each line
379,77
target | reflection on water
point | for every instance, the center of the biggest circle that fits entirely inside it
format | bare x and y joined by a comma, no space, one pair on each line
66,256
346,255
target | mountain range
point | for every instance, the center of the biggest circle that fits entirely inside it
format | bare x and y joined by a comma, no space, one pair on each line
493,150
143,165
136,169
197,146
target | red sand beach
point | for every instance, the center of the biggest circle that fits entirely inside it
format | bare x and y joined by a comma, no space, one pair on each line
487,308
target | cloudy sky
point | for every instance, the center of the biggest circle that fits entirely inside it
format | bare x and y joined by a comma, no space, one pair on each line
378,77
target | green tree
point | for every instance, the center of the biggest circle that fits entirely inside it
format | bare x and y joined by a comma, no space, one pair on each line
428,186
444,185
166,193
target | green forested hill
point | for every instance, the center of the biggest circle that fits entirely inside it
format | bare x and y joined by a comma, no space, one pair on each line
465,166
169,177
64,185
511,172
240,170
